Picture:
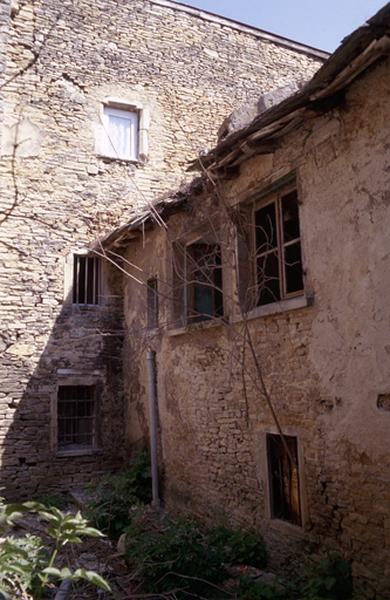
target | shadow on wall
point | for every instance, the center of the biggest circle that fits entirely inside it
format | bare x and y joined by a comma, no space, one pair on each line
62,408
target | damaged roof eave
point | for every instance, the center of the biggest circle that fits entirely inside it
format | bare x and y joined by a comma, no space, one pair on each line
358,52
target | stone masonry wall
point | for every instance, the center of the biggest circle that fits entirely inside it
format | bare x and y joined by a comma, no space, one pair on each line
326,365
63,60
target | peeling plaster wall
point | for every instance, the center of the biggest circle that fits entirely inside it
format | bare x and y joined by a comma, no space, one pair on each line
324,365
63,60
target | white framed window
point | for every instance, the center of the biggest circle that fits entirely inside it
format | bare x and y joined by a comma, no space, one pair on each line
119,133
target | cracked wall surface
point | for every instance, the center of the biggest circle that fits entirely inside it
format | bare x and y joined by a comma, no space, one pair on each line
62,60
326,365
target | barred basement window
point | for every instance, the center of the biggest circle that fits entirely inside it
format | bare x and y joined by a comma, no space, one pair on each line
204,298
284,479
277,249
152,303
76,417
86,279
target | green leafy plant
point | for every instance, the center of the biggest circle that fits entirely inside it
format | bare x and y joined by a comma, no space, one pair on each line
239,546
331,579
171,554
115,494
26,566
252,590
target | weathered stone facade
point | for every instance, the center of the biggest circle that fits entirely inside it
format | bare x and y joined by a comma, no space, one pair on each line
62,61
325,364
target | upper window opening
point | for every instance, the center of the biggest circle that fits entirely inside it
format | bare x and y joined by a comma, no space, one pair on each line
203,281
120,133
152,303
86,279
278,258
284,478
76,417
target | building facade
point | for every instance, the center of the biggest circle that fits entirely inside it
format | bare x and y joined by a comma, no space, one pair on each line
102,103
264,302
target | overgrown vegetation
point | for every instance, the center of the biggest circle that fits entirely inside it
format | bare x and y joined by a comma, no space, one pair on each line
181,559
28,564
116,494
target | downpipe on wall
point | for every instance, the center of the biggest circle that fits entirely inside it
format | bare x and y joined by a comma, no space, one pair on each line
152,397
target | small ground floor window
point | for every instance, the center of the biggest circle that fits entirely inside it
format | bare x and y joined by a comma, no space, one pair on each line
283,473
76,417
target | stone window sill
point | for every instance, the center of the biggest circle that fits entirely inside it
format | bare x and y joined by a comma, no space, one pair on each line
207,324
287,527
77,452
277,307
137,162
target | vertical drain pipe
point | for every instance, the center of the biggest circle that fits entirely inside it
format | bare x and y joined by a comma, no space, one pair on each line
152,393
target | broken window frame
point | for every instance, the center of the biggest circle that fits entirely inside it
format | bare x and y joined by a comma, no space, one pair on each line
275,199
86,280
290,507
203,279
74,422
184,313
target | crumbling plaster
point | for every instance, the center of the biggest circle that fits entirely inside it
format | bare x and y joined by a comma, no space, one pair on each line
60,60
324,365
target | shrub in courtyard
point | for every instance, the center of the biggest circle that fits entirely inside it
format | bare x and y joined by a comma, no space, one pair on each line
331,579
115,494
239,546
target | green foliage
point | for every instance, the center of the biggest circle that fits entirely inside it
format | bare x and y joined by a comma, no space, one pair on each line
183,555
331,579
115,494
252,590
239,546
173,554
26,566
21,560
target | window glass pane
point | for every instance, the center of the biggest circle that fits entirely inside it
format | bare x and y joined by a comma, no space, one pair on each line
120,133
293,268
204,291
268,284
266,232
290,216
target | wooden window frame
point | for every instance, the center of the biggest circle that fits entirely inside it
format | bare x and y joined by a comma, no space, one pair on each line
276,199
133,115
152,303
190,285
273,510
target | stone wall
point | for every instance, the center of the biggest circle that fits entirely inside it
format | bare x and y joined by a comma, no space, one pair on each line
325,365
63,60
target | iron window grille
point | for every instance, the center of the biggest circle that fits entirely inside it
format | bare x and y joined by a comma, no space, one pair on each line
86,279
76,417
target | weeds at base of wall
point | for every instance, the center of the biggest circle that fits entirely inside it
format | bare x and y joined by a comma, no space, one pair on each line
115,494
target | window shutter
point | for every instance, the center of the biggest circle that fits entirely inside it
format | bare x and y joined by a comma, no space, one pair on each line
179,284
120,135
245,260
